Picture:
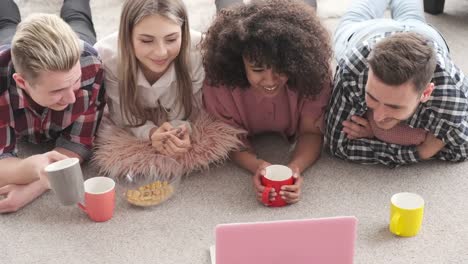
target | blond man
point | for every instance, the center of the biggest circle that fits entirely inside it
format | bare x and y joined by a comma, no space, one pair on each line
50,90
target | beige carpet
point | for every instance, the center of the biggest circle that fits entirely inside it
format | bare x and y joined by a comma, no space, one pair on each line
181,230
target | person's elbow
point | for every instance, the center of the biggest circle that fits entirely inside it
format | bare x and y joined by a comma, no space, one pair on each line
330,144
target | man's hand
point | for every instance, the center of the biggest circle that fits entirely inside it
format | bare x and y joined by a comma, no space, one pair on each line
430,147
357,127
32,168
259,188
18,196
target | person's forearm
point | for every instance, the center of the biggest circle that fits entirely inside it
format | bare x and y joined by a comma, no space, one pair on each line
11,168
247,159
307,151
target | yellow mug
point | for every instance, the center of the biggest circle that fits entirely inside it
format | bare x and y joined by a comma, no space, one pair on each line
406,214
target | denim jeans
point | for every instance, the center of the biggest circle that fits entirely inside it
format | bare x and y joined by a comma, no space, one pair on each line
364,19
77,13
220,4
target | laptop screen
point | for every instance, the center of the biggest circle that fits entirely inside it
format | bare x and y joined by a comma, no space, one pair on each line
323,240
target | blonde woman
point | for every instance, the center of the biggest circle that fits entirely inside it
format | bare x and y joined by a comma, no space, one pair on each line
154,73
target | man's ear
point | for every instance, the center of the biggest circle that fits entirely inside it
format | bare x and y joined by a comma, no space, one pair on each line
426,94
20,81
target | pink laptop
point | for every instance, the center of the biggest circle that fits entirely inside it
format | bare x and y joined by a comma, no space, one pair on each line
308,241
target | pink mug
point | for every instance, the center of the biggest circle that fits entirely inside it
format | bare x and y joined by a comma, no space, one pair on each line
275,177
99,198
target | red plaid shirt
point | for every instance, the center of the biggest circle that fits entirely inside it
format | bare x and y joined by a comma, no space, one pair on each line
73,128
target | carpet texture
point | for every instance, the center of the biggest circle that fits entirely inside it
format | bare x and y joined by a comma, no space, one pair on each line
181,230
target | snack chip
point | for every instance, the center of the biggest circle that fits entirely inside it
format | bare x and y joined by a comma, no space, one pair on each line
150,194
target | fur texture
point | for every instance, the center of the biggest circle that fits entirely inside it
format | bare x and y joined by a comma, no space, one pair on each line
122,156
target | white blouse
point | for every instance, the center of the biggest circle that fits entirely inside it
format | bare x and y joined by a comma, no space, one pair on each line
162,93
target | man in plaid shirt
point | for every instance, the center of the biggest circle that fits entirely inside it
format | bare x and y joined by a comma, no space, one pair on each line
398,98
50,89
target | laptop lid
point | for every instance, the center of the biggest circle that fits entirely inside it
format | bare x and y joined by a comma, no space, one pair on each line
323,240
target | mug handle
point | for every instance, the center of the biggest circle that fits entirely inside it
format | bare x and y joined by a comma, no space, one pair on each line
394,224
82,207
266,195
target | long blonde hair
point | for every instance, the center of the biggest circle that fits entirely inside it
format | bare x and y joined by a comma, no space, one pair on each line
133,12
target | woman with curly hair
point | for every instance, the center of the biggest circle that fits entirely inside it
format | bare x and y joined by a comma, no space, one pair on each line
267,68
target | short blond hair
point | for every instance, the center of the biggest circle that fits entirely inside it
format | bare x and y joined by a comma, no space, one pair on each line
44,42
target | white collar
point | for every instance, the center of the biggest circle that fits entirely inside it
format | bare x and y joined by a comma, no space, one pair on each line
164,82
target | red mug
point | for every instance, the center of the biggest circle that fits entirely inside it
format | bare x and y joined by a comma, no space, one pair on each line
99,198
275,177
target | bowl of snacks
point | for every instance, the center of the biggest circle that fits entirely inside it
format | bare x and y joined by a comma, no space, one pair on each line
152,184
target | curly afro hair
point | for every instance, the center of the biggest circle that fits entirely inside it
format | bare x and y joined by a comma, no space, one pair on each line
285,35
